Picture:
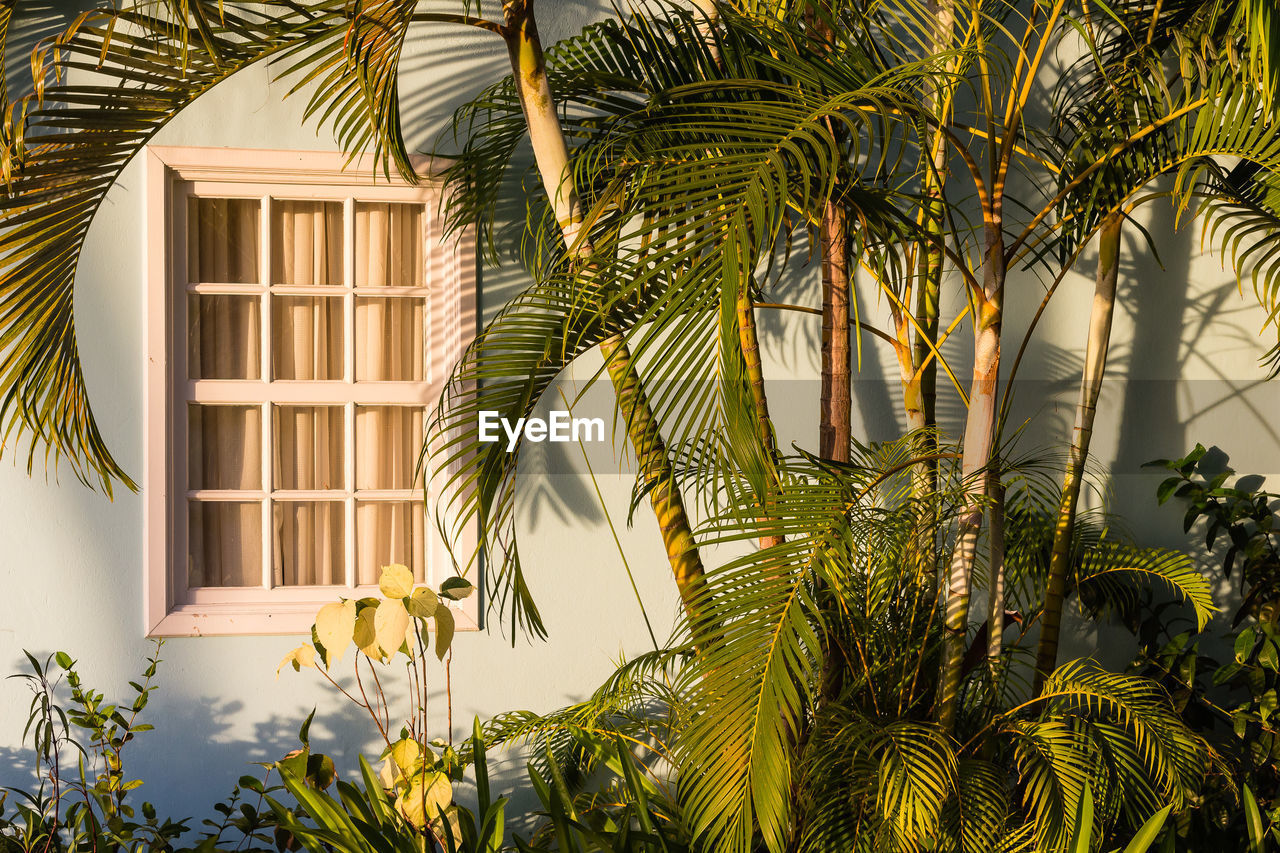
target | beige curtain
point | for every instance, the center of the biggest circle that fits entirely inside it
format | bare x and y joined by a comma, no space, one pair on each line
223,331
307,453
388,439
388,246
389,532
306,243
389,339
224,337
224,544
309,545
308,442
224,451
222,240
224,442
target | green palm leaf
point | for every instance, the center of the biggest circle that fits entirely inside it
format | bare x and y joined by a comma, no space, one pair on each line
138,70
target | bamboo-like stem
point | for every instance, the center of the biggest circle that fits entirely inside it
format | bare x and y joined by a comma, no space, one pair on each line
836,405
753,370
995,588
656,473
552,156
921,391
834,430
1095,362
979,435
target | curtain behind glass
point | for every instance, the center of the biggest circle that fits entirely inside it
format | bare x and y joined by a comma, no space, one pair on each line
307,334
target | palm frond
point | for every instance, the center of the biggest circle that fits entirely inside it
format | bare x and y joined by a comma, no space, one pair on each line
102,90
660,219
1111,572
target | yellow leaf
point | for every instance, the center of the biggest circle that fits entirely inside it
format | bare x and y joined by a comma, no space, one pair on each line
396,581
304,655
444,631
389,625
365,636
411,639
404,753
428,794
389,775
423,603
335,625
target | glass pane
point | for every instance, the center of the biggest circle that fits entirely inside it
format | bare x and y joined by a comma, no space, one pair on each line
389,533
306,337
388,245
308,545
388,441
306,242
222,240
389,339
224,544
308,447
224,447
224,337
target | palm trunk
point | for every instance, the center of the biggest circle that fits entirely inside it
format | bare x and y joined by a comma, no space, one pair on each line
995,590
834,431
920,396
655,470
552,156
754,371
979,434
1095,362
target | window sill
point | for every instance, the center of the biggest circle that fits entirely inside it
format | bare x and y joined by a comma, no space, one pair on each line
219,620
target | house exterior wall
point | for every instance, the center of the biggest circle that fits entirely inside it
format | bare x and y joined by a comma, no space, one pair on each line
72,573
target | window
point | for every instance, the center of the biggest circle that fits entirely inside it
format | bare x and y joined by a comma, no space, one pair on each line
301,319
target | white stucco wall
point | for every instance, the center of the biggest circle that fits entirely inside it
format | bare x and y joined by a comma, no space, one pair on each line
71,571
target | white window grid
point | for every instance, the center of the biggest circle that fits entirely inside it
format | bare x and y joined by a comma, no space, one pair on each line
447,289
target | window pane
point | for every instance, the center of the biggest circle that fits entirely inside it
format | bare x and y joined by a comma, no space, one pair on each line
388,441
306,242
388,245
306,337
308,447
224,544
389,339
389,533
222,240
224,337
224,449
308,545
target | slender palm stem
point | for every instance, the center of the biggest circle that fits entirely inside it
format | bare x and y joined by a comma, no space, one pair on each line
834,430
656,474
754,373
920,393
995,588
552,156
1095,362
979,435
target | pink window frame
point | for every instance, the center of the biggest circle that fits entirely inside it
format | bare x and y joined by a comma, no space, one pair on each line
450,316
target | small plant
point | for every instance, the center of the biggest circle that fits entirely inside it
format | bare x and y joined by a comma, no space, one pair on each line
629,812
1232,702
417,773
371,816
87,808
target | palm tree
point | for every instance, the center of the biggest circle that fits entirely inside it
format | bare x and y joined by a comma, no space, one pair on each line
1124,95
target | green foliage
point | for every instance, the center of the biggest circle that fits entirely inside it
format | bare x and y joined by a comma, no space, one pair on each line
82,801
628,813
1232,702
